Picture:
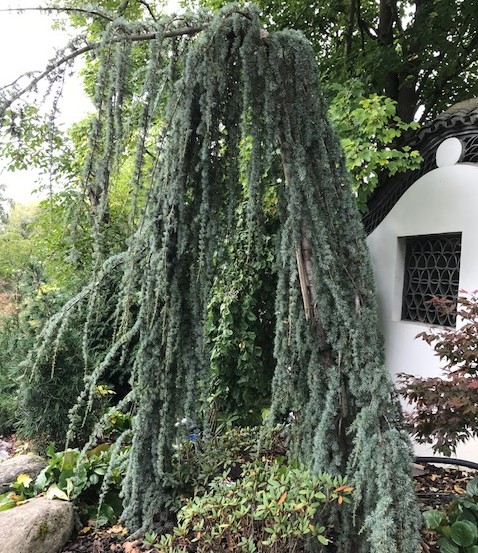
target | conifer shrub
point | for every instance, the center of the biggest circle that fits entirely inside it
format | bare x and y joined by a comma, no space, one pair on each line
16,339
47,395
10,356
50,380
445,408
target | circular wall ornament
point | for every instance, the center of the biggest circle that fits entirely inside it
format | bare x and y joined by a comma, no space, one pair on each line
449,152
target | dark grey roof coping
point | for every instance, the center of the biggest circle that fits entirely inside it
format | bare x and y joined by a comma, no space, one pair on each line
461,121
460,114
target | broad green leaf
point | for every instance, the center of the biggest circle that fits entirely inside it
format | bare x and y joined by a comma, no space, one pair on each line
464,533
54,492
7,503
447,546
472,487
433,519
41,481
69,459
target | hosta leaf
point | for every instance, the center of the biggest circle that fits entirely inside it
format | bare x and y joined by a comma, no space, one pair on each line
472,487
447,546
433,519
464,533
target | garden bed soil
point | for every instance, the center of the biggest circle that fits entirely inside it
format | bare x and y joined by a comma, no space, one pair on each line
436,487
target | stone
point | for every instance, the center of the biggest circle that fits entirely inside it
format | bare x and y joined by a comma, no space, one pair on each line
21,464
5,449
38,526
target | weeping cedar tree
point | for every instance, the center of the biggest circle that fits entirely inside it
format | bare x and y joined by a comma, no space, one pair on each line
210,101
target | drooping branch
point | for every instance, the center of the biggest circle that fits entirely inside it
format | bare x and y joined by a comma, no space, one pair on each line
56,64
186,30
91,12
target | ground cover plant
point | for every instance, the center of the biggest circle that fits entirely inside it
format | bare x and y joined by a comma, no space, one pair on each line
92,481
271,507
457,525
230,125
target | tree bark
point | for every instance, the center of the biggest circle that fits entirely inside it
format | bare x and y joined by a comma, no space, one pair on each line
386,39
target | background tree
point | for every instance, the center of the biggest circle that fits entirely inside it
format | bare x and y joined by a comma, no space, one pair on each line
19,277
421,54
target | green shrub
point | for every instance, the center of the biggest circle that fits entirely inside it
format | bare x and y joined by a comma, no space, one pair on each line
48,394
8,406
197,462
457,526
80,478
445,408
273,507
71,476
12,350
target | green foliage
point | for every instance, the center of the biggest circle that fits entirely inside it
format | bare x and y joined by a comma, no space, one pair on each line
5,203
18,264
62,232
82,478
370,131
47,395
71,475
445,408
19,277
197,462
11,352
62,240
23,488
271,507
29,138
458,523
402,49
239,328
6,502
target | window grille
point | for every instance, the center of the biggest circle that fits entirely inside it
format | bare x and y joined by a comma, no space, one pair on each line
432,270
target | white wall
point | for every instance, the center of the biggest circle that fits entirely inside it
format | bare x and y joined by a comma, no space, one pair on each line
444,200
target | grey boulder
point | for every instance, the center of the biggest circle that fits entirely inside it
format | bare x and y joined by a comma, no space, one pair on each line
39,526
21,464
